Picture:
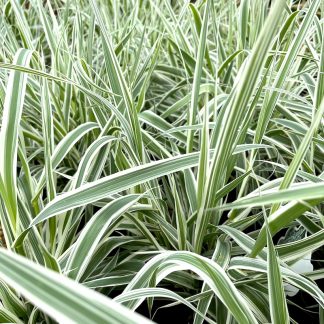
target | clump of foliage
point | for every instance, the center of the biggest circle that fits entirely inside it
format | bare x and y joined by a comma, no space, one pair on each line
161,153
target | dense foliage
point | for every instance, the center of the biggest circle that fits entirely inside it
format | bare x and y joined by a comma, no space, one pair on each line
161,155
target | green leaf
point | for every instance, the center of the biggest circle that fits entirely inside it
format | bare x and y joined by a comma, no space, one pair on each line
92,233
278,304
192,112
114,183
61,298
214,276
12,111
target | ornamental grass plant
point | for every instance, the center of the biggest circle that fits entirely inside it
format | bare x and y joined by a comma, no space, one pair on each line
161,161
